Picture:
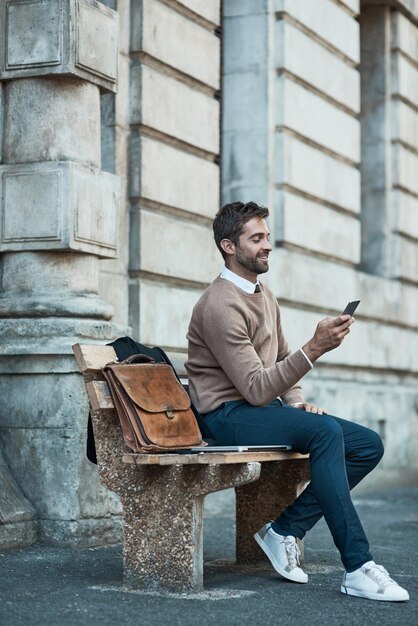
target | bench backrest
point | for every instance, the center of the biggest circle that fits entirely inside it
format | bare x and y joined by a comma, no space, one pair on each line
110,445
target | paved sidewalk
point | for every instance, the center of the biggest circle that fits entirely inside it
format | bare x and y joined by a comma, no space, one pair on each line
42,586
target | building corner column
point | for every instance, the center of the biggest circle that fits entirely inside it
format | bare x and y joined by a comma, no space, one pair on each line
58,216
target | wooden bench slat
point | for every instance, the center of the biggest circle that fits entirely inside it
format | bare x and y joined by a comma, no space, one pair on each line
99,395
207,458
92,358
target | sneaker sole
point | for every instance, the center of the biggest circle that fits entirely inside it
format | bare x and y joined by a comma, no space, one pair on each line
274,563
371,596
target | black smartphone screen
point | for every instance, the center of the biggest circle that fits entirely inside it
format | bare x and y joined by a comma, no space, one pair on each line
351,307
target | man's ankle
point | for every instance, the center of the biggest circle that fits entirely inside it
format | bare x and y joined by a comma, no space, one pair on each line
354,568
284,533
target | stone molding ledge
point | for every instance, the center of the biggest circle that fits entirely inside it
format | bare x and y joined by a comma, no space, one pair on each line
76,38
58,205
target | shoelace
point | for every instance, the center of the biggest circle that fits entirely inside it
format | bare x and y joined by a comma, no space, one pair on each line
380,575
292,552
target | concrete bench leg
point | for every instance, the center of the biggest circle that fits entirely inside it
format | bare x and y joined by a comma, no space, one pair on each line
163,522
279,485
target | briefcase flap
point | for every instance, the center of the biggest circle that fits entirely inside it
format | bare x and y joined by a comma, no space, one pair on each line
153,387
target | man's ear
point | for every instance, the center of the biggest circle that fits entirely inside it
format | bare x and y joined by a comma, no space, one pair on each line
227,246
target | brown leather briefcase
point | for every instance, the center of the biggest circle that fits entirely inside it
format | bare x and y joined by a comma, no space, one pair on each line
153,408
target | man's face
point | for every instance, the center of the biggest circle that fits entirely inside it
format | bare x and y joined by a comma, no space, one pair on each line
254,247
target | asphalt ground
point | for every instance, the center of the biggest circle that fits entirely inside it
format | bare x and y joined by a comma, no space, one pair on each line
46,586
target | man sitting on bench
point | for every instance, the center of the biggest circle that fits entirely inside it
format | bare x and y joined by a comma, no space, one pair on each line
245,382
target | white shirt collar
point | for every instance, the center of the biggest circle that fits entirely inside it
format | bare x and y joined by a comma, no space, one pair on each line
242,283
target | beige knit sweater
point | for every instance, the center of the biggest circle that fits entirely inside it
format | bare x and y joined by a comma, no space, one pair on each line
237,349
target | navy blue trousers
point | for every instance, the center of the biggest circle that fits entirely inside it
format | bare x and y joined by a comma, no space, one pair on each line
341,454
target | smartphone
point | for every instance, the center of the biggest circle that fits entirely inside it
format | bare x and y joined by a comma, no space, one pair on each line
351,307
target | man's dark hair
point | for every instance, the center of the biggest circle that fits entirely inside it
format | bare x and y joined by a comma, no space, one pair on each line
230,220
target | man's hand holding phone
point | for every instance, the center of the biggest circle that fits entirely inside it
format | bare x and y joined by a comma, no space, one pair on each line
330,333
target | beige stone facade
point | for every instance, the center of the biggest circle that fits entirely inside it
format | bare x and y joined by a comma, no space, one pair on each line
124,125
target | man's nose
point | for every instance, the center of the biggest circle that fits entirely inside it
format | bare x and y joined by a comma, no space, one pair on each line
267,245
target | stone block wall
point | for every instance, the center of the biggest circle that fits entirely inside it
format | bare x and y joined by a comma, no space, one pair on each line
404,142
294,97
343,212
316,175
174,144
113,281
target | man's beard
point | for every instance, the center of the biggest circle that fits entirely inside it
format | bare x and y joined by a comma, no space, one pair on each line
253,265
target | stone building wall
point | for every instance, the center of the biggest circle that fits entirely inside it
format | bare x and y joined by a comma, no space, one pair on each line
310,108
316,77
171,74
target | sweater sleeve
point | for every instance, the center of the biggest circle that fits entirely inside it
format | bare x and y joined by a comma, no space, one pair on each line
226,336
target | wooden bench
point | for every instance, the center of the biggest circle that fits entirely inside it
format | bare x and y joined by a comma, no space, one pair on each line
162,494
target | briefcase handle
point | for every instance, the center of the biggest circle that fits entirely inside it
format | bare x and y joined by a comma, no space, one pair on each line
137,358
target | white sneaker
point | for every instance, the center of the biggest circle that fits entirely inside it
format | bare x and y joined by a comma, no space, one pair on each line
283,552
373,582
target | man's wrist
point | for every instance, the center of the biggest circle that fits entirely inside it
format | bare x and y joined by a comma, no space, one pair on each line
311,350
307,358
